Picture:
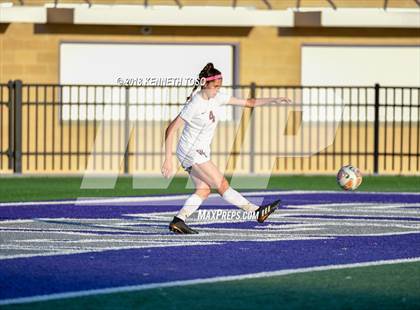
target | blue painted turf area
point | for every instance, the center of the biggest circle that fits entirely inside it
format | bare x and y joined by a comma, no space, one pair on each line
61,248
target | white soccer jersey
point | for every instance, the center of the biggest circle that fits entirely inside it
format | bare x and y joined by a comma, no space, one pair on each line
201,117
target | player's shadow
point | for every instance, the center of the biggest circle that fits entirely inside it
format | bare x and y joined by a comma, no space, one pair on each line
87,225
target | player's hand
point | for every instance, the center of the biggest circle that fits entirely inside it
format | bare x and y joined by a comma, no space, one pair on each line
167,168
283,100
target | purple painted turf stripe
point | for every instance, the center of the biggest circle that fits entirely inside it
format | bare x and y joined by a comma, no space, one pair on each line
58,274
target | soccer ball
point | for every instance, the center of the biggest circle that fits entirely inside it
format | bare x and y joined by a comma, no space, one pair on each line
349,178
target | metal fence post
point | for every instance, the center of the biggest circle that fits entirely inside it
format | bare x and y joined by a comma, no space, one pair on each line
17,166
253,88
11,130
127,129
376,132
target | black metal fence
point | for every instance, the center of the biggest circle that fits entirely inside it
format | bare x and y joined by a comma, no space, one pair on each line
70,128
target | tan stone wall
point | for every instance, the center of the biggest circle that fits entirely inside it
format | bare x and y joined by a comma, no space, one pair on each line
267,55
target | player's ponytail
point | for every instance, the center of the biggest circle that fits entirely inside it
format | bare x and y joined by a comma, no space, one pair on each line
207,71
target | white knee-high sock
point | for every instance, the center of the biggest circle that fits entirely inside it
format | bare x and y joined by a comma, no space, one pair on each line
238,200
190,205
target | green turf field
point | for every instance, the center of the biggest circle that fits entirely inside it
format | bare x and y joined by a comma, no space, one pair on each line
24,188
395,286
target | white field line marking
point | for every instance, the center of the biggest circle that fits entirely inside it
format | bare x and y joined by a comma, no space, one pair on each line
96,250
142,287
177,197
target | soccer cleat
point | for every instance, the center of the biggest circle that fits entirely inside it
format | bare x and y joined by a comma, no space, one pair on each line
178,226
264,211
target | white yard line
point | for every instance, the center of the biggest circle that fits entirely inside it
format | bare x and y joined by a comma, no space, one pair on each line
180,197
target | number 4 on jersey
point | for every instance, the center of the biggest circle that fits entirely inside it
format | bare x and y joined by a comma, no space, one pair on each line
211,116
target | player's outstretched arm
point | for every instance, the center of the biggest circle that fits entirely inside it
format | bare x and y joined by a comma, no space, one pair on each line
169,138
251,103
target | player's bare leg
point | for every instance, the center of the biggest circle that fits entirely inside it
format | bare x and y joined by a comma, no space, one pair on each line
202,191
210,174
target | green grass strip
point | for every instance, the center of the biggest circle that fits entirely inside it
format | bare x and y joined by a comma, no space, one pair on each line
395,286
50,188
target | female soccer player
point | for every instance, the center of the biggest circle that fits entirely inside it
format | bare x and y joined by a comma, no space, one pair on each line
200,116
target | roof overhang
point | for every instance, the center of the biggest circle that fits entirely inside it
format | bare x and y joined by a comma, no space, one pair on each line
210,16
